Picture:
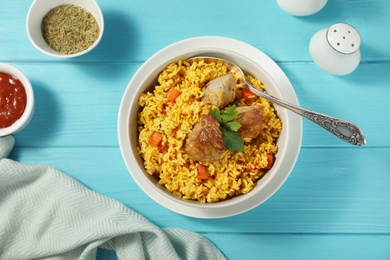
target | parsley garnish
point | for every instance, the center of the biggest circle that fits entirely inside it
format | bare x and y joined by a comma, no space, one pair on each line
231,139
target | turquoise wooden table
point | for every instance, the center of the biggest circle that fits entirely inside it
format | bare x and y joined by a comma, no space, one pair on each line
336,202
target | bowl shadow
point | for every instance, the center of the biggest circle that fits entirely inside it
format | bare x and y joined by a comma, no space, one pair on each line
117,45
45,123
119,39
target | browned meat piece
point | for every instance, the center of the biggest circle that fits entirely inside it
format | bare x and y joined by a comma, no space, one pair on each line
220,91
205,142
250,118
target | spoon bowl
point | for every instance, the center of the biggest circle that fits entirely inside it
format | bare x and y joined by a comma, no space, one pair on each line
345,130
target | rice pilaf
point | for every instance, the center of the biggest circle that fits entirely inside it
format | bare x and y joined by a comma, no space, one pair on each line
235,173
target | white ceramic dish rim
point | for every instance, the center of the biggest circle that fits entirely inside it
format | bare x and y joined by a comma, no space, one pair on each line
230,49
39,8
28,113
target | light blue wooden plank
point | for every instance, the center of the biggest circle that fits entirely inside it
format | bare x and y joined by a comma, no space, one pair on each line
294,246
136,31
325,193
77,104
360,97
282,246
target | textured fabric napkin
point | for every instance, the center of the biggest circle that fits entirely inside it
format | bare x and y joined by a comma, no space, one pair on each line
46,214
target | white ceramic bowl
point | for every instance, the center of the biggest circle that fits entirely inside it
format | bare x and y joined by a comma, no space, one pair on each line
28,113
39,8
252,61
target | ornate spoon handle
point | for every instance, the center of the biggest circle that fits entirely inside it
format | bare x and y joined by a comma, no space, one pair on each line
343,129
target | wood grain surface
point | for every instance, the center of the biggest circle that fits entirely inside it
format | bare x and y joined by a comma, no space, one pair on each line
336,202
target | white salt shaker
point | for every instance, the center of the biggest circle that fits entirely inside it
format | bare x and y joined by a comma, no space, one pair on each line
301,7
336,49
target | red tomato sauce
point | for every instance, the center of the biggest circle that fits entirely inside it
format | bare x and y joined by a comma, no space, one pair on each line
13,99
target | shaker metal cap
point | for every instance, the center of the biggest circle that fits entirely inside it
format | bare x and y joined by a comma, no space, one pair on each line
343,38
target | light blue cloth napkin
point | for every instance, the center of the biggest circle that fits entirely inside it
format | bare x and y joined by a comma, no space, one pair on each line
46,214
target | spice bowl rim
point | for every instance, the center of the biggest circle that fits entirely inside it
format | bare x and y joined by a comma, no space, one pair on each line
39,8
28,113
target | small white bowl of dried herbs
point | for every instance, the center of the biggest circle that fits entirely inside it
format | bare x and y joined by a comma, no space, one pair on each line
65,28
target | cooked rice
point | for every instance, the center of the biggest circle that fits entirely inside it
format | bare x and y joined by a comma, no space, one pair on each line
235,173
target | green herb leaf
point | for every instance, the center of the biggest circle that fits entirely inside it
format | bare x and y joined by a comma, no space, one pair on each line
230,114
233,141
232,126
217,115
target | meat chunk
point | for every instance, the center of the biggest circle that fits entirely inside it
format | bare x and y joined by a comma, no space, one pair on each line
220,91
205,142
250,118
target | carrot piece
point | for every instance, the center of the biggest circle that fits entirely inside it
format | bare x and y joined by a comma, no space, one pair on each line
248,95
161,148
270,161
173,94
203,172
155,139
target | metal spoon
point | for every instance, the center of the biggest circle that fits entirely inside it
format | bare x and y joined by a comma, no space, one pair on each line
343,129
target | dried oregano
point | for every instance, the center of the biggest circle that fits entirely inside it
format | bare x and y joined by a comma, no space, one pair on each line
69,29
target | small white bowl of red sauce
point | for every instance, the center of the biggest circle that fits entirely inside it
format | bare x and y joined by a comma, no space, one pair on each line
16,100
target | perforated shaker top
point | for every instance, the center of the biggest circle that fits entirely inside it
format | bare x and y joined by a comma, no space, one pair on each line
343,38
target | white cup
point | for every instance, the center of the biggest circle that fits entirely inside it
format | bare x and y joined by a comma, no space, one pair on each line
39,8
336,49
301,7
